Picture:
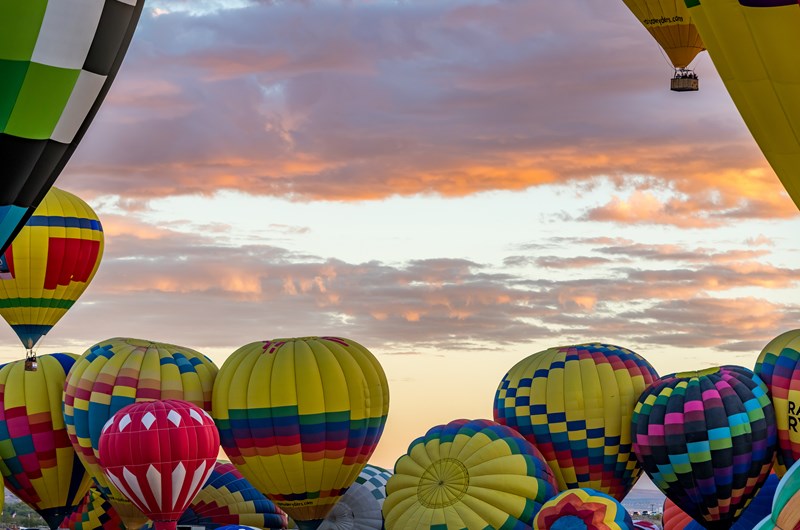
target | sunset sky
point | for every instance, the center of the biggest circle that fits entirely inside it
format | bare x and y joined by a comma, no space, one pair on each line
455,184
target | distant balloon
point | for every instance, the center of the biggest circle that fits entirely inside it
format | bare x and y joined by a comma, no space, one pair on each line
582,508
468,474
117,372
707,440
39,464
300,419
761,506
574,403
672,27
49,265
752,44
93,513
57,62
360,506
159,454
778,366
229,499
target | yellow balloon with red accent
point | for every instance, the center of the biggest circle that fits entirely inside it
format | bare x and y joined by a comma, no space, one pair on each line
49,265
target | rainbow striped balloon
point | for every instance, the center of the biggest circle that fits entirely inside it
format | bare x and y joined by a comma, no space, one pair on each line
49,265
39,464
786,504
300,418
94,513
117,372
582,509
707,440
575,403
227,498
468,474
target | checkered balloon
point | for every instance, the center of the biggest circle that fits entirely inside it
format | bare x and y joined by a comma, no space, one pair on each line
574,403
360,506
707,440
159,454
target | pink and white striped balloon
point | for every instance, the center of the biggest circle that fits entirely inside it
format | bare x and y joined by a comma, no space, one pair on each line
159,454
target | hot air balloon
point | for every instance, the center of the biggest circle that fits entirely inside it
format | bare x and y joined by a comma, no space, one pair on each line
49,265
671,25
159,454
300,418
574,403
39,464
707,440
761,506
752,43
641,524
360,507
57,62
778,366
468,474
786,503
582,508
93,513
117,372
227,498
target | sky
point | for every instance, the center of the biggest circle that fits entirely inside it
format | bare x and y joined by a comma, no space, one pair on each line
455,184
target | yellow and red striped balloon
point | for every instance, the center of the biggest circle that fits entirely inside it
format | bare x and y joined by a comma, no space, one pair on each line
49,265
300,419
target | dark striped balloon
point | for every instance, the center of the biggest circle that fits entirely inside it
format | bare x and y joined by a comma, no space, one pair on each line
707,440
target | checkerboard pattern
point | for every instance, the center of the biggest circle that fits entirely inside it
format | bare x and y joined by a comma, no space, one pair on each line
707,439
574,403
58,59
94,513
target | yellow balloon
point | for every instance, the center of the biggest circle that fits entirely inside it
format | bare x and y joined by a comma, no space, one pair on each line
670,24
754,45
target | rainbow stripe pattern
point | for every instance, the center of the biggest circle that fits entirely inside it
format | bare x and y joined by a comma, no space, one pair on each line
575,403
582,509
39,464
465,475
707,440
49,265
300,418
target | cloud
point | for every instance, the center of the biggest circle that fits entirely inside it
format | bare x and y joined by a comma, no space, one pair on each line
351,101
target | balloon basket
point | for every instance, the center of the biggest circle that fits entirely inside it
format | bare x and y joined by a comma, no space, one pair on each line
684,81
31,364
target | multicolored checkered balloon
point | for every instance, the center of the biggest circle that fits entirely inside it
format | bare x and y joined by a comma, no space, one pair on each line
468,474
227,498
574,403
39,465
300,419
94,513
707,440
360,506
778,366
117,372
57,62
582,509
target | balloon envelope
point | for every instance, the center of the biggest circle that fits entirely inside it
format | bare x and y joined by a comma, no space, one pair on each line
117,372
57,62
360,506
93,513
300,419
582,508
574,403
468,474
39,465
707,440
752,44
229,499
50,263
159,454
671,25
